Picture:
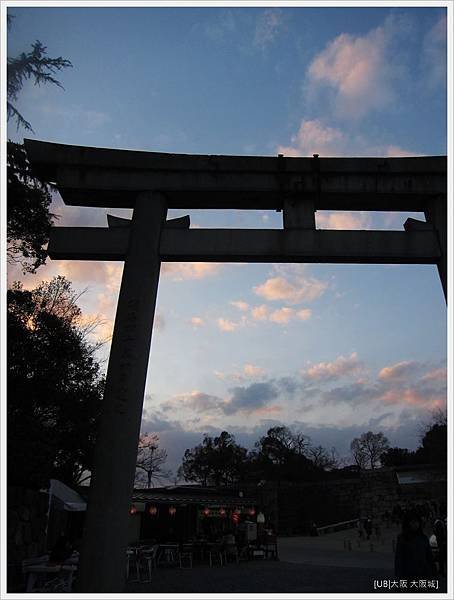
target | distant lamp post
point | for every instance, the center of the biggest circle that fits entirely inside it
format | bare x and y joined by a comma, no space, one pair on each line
206,512
172,511
153,511
133,509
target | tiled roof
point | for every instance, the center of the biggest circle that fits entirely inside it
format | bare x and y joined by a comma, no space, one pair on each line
188,498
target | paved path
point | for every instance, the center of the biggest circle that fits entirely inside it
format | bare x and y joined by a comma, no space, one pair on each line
261,577
329,550
306,565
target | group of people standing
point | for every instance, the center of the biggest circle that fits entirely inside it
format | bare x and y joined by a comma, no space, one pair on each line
414,556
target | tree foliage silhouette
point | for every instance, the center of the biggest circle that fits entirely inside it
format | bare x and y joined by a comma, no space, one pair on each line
34,65
28,195
217,461
28,216
283,454
54,384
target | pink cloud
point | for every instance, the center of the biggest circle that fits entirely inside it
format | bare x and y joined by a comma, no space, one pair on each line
315,137
398,371
436,375
226,324
253,371
265,410
240,305
197,321
260,313
198,270
325,371
304,314
398,152
297,291
343,220
195,400
283,315
357,71
413,397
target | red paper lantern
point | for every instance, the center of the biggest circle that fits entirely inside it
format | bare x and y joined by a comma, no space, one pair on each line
236,516
252,511
222,512
132,510
206,512
153,511
172,511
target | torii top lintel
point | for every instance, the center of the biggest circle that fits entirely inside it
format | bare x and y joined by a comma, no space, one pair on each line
104,177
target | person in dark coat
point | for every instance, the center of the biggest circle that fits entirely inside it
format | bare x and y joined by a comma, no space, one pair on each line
414,559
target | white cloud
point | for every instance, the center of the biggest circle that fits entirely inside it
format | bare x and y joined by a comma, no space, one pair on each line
268,26
434,55
88,119
221,27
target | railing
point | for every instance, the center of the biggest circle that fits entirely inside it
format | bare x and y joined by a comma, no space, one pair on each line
337,526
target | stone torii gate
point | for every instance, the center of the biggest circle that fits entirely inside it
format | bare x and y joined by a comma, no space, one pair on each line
150,183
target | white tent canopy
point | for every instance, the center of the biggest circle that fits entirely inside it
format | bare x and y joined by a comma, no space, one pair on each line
71,499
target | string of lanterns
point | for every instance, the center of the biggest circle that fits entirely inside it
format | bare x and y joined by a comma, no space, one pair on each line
221,512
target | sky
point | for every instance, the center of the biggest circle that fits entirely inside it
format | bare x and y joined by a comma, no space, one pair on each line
329,350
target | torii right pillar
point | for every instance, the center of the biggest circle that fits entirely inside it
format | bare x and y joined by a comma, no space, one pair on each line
436,215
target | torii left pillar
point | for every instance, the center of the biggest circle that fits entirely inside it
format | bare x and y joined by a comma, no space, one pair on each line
105,537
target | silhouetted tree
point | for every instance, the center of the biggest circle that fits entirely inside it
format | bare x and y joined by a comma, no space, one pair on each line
29,195
280,442
396,457
54,386
34,65
282,454
368,448
217,461
434,445
150,462
323,459
28,216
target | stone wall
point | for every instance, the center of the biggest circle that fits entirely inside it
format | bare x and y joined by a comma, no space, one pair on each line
292,507
370,493
26,530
